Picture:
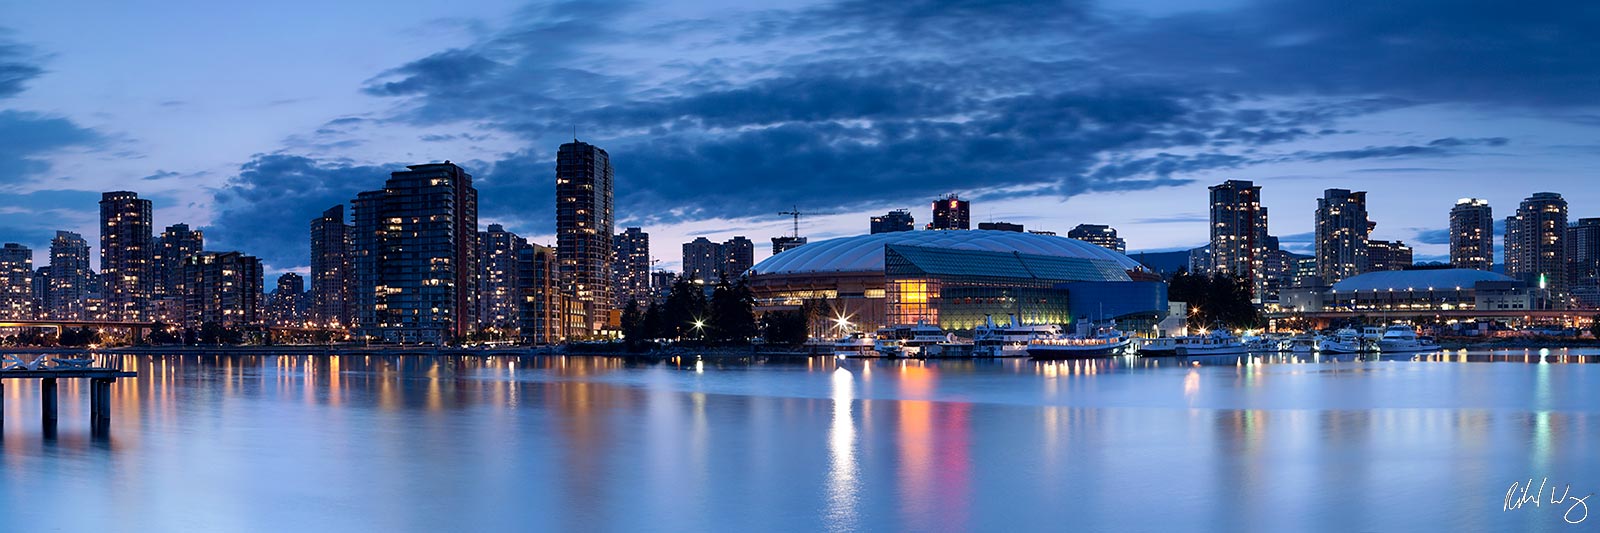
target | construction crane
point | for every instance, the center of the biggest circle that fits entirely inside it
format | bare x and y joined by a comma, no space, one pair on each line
795,212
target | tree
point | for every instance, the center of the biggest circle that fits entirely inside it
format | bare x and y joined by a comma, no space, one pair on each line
684,315
1594,326
733,315
159,334
784,327
633,326
1219,299
654,327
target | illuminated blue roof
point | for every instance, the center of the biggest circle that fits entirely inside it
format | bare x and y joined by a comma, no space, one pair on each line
1400,280
864,253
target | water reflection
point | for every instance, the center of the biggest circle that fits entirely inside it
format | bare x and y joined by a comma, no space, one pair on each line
842,483
579,443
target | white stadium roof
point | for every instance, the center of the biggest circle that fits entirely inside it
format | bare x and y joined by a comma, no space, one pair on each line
864,253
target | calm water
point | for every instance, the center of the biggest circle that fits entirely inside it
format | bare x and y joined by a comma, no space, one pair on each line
409,443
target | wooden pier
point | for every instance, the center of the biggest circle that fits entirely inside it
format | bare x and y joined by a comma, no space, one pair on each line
49,370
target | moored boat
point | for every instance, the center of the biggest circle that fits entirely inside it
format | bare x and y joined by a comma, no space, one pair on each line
1218,342
856,344
1401,338
1345,340
1103,342
1011,340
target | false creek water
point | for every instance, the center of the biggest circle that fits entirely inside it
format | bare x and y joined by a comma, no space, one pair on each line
415,443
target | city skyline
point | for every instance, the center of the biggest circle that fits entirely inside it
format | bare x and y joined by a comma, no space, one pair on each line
1390,127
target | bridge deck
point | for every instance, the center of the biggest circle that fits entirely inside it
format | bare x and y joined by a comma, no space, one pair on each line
67,373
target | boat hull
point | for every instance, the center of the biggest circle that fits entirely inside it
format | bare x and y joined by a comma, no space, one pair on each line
1068,351
1192,351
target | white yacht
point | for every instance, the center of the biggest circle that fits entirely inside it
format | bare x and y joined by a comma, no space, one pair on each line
1218,342
927,340
1399,338
1011,340
856,344
1103,342
1345,340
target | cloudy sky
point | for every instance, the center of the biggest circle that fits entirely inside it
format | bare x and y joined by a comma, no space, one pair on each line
248,119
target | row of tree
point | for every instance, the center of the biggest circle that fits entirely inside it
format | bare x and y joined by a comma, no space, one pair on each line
727,317
1215,300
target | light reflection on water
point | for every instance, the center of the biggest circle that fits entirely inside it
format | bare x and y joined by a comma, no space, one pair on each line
412,443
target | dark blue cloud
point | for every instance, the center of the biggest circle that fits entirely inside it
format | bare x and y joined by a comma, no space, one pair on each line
266,210
1537,53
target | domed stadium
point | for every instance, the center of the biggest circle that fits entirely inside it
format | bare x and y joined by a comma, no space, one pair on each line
864,253
957,278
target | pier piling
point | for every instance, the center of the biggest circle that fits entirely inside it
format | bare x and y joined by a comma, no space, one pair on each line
47,399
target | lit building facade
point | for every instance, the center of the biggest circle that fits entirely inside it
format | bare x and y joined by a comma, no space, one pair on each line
740,255
951,212
416,256
1583,262
544,307
16,282
709,261
583,234
1239,233
897,220
1388,255
1099,235
332,303
1342,233
222,288
127,251
1450,289
786,243
1535,243
499,301
174,244
1472,234
71,281
631,270
286,306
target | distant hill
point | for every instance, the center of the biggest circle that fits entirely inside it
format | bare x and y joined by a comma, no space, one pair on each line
1164,263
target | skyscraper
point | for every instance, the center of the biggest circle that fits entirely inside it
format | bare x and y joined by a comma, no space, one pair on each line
1342,232
285,305
222,288
331,277
739,254
1472,234
1583,261
498,299
1239,232
416,256
1100,235
16,282
1535,243
544,310
897,220
126,255
583,234
702,259
1387,255
786,243
71,281
631,270
41,292
175,244
1001,226
709,261
951,212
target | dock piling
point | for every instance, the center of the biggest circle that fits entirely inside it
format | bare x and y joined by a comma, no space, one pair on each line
47,398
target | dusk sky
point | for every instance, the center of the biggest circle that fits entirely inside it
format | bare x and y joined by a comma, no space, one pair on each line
249,119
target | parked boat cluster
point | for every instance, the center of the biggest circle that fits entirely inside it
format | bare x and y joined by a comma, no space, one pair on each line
1050,342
